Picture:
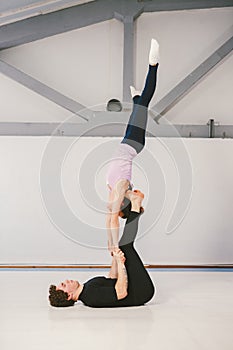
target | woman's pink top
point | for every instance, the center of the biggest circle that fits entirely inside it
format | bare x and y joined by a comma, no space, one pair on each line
121,164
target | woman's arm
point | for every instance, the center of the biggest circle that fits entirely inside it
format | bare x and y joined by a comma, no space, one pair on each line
109,232
117,198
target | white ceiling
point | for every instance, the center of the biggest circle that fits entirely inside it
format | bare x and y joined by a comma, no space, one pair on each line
16,10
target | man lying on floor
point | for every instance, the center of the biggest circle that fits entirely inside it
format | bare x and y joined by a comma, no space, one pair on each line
128,282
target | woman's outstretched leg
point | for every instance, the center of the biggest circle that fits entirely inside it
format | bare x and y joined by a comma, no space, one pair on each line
151,78
150,86
136,128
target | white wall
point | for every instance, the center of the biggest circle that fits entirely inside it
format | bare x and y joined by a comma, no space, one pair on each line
87,65
31,228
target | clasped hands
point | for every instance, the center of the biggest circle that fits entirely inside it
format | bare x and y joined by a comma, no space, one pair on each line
118,254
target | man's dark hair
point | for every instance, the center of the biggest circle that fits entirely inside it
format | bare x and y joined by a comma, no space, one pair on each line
58,298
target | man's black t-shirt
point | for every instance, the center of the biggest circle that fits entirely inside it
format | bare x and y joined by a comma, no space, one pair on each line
100,292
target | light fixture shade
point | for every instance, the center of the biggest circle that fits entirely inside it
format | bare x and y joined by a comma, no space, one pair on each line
114,105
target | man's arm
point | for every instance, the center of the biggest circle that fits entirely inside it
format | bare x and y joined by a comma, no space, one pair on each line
114,269
121,285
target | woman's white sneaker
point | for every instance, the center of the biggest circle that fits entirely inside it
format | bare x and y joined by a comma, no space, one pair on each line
134,92
154,52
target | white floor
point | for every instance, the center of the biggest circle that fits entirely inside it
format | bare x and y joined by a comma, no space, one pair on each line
191,310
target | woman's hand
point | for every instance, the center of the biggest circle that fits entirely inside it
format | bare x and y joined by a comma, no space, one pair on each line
119,255
109,207
112,248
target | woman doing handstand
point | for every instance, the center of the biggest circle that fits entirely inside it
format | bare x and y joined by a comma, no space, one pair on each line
120,169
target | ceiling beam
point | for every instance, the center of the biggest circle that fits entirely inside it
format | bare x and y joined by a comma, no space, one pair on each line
128,58
161,5
58,22
79,16
127,13
45,91
46,25
185,86
18,12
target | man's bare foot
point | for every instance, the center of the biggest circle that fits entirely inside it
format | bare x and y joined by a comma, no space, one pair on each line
136,197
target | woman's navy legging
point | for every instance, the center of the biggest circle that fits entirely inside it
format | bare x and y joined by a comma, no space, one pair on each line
136,128
140,285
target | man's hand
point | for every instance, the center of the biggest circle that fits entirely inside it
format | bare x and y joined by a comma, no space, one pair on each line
119,255
121,285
